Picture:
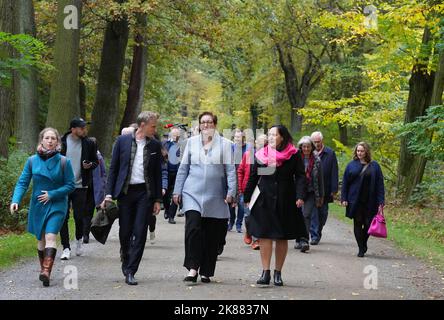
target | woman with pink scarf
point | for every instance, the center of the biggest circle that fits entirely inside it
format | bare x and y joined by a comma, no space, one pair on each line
276,215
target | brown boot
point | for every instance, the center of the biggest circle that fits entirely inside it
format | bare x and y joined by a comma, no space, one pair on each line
41,256
48,262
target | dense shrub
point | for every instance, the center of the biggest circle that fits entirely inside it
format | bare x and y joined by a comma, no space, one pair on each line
10,170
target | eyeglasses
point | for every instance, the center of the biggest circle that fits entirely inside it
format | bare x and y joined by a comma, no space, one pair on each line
207,122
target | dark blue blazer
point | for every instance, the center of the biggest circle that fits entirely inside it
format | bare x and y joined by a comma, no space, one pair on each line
330,170
120,162
351,185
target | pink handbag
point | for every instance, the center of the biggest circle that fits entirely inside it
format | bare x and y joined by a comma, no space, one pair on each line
378,227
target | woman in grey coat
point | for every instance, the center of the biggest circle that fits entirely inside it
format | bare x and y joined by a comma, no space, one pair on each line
206,186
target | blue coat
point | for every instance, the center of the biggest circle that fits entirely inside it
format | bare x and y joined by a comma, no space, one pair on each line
330,171
204,181
351,185
46,175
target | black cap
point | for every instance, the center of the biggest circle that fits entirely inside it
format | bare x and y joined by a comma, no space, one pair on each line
78,123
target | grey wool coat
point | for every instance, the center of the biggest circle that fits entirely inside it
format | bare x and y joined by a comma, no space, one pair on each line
204,180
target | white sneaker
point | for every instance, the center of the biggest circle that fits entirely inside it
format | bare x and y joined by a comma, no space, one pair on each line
66,254
153,237
79,248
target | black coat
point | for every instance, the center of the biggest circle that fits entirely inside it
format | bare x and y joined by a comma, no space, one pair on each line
274,214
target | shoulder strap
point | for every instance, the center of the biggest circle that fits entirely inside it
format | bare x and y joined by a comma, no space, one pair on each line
63,164
364,169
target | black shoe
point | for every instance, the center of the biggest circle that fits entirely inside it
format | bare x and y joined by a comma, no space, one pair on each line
205,280
171,220
265,277
85,239
305,247
361,253
191,278
365,249
277,278
165,215
298,246
314,242
130,280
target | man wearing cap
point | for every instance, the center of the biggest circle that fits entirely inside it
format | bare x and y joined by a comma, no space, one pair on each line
82,152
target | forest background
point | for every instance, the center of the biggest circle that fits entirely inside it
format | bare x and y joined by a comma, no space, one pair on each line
355,70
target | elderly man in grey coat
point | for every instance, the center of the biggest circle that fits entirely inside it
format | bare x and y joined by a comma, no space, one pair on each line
206,186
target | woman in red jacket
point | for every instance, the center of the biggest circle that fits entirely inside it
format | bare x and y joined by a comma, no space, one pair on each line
243,173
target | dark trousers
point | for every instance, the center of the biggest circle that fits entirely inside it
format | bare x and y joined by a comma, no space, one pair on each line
202,239
170,206
240,216
135,210
361,224
152,223
80,201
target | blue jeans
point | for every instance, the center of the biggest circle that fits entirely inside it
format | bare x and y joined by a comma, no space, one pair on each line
240,215
246,214
318,220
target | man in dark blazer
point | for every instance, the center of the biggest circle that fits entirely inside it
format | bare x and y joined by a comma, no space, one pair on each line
330,174
135,180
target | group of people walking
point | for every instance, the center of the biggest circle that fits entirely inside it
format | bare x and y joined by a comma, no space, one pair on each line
282,190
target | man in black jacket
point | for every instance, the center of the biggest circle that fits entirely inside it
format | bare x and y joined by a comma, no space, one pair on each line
135,180
83,155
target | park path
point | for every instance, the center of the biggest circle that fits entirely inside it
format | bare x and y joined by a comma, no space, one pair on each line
330,270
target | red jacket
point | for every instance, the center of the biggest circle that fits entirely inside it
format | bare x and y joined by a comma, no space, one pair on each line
243,171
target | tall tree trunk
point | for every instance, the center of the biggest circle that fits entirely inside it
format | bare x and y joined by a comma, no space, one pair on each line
298,90
278,98
82,92
254,117
343,134
64,96
420,94
6,97
106,105
436,99
25,87
137,78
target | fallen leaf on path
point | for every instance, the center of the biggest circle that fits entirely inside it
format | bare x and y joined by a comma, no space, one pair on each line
355,294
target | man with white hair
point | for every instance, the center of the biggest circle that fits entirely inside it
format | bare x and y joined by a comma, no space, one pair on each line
330,173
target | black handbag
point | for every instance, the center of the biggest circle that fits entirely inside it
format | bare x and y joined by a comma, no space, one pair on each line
102,222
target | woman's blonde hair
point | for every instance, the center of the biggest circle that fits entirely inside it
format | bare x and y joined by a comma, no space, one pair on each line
42,134
368,154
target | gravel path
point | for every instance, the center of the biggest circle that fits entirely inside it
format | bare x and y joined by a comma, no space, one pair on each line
330,270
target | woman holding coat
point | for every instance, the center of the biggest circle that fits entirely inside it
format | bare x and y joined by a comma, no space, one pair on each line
276,215
206,186
362,193
53,180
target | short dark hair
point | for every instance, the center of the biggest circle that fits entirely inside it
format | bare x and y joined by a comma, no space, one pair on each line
208,113
285,134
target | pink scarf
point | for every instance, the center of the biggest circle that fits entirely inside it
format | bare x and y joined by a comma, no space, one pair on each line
272,157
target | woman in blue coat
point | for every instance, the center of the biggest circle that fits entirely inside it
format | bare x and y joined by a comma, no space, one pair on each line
53,180
362,192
